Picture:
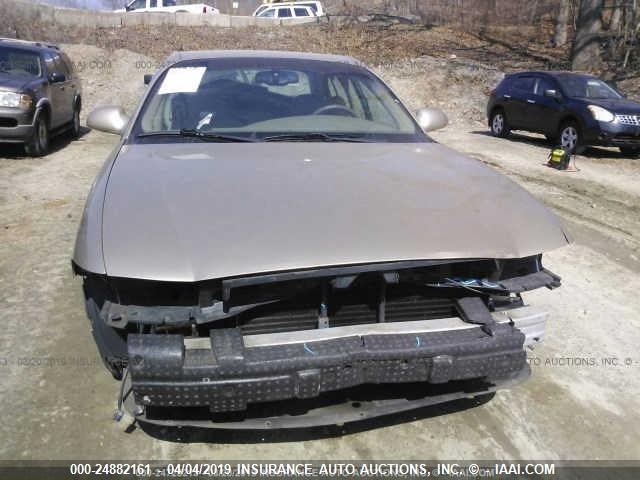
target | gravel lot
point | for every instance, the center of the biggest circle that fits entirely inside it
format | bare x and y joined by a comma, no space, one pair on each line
582,401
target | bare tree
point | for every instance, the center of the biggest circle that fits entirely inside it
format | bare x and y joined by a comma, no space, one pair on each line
562,23
616,17
586,54
631,33
489,16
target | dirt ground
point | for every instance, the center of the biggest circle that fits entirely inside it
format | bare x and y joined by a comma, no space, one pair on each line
582,401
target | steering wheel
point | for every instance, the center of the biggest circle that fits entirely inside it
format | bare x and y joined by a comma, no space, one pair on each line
335,107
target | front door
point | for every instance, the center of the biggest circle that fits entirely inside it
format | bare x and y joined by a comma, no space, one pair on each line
56,91
67,90
546,111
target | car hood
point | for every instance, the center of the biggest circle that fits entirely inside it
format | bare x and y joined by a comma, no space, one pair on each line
11,83
617,105
196,211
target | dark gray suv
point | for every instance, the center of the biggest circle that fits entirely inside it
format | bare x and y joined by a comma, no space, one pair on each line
573,110
40,95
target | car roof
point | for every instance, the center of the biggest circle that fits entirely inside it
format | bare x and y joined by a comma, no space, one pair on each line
28,45
292,3
288,5
275,54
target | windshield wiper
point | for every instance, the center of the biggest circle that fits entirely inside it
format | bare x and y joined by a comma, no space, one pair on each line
311,137
191,133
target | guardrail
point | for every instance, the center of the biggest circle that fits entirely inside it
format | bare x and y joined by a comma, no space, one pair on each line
73,17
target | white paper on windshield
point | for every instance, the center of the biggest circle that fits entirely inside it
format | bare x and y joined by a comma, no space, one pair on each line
182,80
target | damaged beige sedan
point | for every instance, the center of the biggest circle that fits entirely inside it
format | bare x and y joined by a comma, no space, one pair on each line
275,242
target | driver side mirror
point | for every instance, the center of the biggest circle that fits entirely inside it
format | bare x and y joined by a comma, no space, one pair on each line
431,119
552,93
108,119
56,77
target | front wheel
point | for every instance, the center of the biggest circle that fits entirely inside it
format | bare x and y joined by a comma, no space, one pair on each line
38,144
499,125
570,137
631,152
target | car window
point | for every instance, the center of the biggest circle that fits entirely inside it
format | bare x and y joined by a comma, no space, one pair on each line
312,6
543,84
337,90
300,86
505,83
50,63
137,4
587,87
18,62
523,84
69,64
356,100
284,12
301,12
271,12
374,107
357,96
62,66
256,96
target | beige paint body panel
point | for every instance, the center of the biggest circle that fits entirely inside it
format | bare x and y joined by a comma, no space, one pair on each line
196,211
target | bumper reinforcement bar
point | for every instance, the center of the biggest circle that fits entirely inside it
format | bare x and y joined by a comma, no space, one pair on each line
228,376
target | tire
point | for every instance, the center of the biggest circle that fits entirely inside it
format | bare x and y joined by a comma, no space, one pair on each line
499,125
570,137
38,144
74,132
631,152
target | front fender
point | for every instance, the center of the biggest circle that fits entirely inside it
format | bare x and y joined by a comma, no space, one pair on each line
42,104
88,252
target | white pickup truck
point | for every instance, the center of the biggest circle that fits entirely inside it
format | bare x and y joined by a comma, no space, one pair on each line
170,6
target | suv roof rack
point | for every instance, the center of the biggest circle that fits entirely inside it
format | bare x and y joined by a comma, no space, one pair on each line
29,42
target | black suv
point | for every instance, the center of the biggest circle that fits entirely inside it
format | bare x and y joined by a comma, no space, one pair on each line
573,110
40,94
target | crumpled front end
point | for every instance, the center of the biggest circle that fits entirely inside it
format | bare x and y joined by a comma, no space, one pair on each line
442,329
227,375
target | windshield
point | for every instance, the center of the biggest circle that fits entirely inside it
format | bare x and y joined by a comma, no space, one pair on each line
586,87
257,98
18,62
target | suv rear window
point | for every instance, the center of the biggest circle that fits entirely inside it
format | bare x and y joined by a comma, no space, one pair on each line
524,84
